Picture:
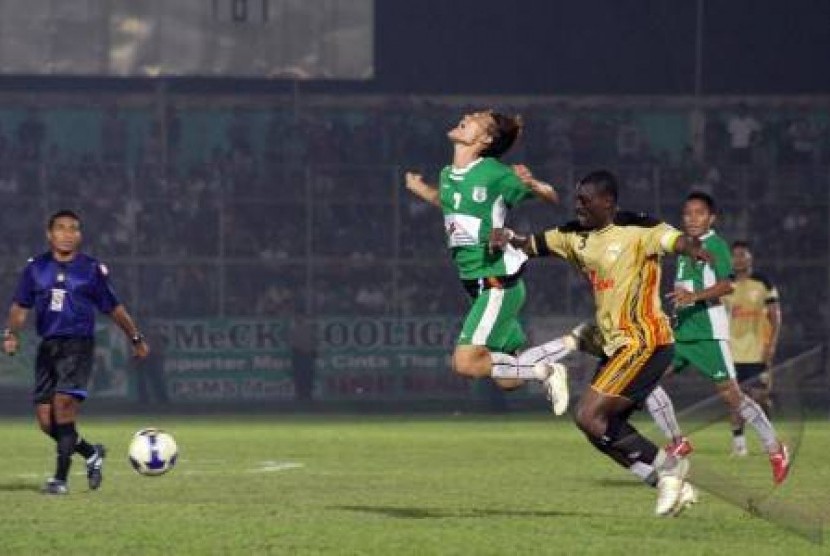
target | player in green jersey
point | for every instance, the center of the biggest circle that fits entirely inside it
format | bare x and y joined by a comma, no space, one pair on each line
702,328
475,193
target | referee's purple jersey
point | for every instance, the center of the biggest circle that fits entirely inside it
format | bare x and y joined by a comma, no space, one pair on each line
64,295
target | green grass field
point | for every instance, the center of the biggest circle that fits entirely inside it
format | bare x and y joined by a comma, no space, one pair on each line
463,485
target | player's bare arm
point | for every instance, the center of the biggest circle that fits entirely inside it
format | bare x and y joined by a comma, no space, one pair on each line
541,189
125,322
682,297
15,322
693,248
501,237
416,184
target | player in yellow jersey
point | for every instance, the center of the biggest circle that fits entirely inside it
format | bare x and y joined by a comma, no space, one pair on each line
619,254
754,322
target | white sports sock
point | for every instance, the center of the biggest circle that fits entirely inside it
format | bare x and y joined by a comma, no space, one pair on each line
752,413
507,366
645,472
549,352
665,462
660,406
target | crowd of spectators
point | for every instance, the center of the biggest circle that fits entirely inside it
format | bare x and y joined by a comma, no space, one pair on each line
250,211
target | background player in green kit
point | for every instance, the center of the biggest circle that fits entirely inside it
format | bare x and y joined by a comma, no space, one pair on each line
702,326
475,193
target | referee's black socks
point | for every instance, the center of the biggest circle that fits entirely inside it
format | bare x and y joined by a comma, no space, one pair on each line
82,447
66,437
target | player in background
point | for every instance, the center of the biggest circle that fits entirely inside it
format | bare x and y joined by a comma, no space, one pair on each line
64,287
702,327
754,325
620,255
475,193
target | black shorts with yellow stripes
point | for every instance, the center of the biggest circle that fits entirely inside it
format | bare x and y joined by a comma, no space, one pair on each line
633,371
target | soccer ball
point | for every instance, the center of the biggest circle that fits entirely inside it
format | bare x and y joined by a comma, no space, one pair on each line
153,452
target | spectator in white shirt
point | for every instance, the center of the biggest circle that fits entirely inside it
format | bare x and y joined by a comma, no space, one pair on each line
744,131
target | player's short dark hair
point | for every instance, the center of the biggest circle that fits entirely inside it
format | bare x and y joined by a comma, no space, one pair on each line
704,198
63,213
504,131
603,180
741,243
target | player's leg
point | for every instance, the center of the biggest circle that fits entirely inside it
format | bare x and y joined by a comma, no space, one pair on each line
661,408
585,337
43,414
659,405
751,381
751,412
717,357
66,407
755,380
554,376
490,334
747,374
548,352
43,394
73,368
509,342
620,384
478,362
762,391
44,389
712,359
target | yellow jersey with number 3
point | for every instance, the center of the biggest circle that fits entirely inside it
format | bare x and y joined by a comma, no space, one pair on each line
622,264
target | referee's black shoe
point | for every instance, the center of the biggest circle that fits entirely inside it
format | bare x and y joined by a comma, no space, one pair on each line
55,487
95,467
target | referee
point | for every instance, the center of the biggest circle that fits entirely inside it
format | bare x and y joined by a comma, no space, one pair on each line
64,287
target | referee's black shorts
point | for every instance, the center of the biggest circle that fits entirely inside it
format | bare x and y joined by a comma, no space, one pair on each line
63,365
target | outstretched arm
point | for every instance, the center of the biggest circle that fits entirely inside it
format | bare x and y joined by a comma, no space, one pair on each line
692,248
501,237
541,189
682,297
416,184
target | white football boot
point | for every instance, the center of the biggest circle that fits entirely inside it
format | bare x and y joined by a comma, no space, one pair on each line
554,377
670,487
688,497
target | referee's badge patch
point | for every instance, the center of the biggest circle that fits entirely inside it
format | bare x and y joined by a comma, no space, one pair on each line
479,193
57,299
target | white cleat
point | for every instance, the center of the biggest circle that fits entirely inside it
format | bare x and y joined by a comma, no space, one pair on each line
739,449
688,497
670,488
554,377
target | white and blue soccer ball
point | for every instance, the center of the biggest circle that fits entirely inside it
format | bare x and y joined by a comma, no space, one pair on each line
153,452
